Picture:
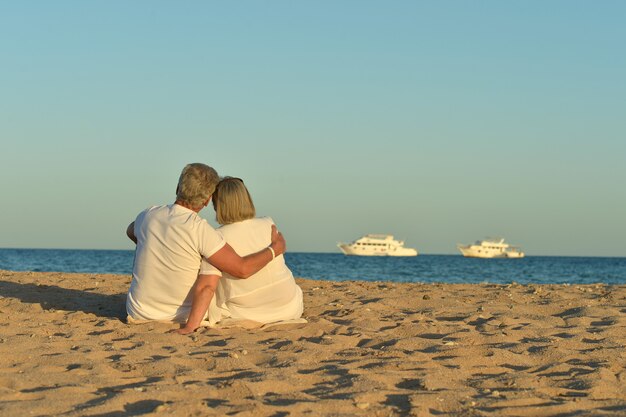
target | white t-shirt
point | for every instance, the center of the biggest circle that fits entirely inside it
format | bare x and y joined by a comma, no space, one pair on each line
171,241
269,295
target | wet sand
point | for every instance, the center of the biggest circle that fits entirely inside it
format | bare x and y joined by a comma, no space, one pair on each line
370,349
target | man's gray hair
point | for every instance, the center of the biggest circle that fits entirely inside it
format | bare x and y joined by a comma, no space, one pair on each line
196,184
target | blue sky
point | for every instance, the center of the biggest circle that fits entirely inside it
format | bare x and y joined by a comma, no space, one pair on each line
439,122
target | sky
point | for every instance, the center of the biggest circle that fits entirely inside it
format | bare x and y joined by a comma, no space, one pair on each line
440,122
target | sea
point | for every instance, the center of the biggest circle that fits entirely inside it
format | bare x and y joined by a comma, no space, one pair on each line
339,267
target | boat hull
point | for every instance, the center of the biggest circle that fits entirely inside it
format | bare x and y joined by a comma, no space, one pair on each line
350,250
478,252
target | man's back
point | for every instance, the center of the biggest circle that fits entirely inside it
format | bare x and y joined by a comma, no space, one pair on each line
170,242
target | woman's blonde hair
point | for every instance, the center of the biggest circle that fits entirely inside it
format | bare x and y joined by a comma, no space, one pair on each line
196,184
232,201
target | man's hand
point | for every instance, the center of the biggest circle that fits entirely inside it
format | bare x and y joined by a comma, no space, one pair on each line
183,330
278,241
130,232
202,291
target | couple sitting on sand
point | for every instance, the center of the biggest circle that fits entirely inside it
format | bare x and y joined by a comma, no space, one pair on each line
184,268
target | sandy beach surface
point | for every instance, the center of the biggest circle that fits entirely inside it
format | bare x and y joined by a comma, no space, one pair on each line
369,348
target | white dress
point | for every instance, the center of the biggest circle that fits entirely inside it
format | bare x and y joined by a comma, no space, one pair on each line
268,296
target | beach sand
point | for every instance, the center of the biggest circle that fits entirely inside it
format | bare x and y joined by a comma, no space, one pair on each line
370,348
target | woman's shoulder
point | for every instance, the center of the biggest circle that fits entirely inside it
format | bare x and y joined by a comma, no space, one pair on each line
265,219
261,224
247,224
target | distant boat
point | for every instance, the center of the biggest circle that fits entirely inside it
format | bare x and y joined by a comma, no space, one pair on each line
376,245
490,248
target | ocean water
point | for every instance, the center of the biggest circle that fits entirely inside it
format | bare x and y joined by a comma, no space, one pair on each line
338,267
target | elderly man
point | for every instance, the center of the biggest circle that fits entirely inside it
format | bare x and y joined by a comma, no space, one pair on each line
171,241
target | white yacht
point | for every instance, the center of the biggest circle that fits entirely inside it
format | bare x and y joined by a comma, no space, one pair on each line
376,245
490,248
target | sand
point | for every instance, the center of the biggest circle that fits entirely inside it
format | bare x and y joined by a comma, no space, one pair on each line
370,349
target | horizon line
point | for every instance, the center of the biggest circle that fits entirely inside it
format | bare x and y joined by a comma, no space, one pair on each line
330,253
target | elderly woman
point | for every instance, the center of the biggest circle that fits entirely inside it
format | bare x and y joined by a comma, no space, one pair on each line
268,296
